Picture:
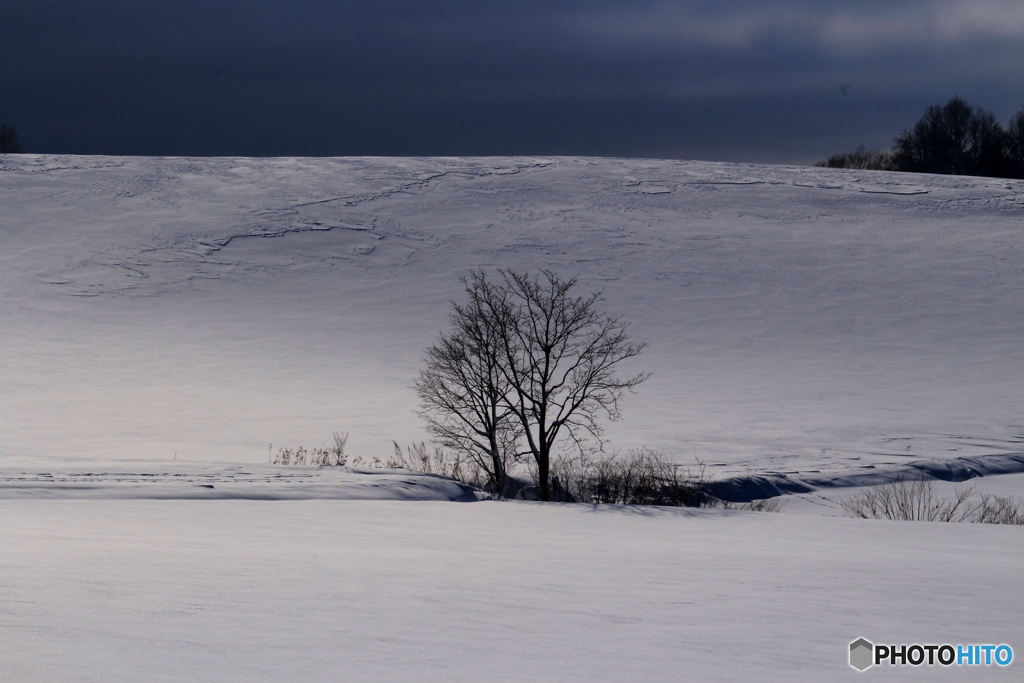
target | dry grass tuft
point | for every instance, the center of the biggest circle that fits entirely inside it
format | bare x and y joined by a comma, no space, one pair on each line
325,456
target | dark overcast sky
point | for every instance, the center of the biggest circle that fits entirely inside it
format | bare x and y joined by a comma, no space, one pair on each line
732,80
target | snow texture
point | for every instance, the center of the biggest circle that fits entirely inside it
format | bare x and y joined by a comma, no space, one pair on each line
811,331
180,590
800,320
206,481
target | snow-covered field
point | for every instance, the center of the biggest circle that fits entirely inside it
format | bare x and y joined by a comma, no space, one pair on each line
326,590
797,318
163,320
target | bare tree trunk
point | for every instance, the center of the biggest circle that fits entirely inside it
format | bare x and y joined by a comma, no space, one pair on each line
544,472
500,482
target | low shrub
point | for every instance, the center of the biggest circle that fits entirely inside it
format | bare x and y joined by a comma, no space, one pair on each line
915,500
760,505
999,510
641,477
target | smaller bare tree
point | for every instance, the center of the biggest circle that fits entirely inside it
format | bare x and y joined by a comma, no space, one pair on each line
1014,153
9,140
463,391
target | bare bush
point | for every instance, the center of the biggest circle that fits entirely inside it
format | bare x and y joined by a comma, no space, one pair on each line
999,510
760,505
915,500
641,477
909,501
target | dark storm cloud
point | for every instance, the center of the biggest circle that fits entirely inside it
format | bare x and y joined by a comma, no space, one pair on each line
744,80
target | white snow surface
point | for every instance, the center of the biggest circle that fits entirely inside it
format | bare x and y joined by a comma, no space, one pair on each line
327,590
162,320
124,479
800,320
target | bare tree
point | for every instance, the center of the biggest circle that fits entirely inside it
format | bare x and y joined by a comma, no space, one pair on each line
9,140
526,363
1014,155
954,139
559,355
463,393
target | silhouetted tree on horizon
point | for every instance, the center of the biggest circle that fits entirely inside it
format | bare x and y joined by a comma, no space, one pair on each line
1015,146
954,139
9,140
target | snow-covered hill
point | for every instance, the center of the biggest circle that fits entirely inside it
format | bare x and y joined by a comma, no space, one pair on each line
163,320
799,320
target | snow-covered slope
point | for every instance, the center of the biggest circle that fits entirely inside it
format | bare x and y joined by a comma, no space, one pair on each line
800,320
818,328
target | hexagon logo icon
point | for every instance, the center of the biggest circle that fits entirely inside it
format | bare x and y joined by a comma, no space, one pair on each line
862,654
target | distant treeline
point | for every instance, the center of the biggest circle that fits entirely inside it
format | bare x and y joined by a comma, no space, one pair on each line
952,139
